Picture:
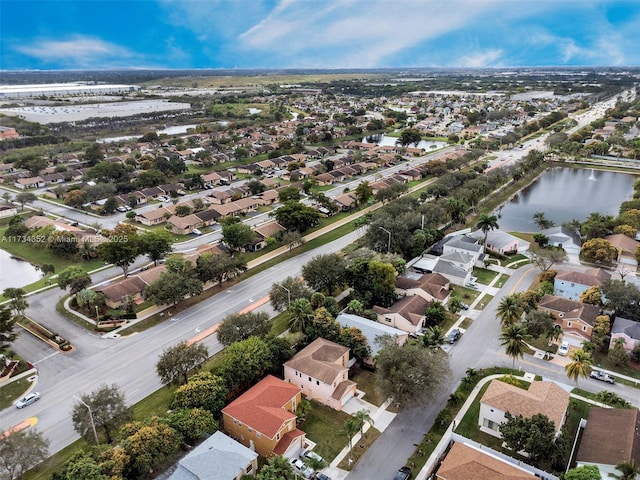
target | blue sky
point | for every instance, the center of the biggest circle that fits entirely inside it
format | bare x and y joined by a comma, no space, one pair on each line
106,34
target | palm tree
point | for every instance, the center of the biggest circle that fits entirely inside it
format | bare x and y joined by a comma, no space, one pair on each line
514,339
486,223
580,365
300,313
351,427
510,310
363,417
628,470
433,337
542,221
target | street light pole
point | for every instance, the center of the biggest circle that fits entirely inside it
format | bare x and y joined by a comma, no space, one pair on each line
288,293
389,242
97,315
93,425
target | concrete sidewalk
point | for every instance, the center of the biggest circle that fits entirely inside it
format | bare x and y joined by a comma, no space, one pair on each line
381,419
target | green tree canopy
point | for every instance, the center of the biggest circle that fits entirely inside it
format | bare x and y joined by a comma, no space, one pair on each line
109,410
203,390
21,451
177,362
240,326
324,273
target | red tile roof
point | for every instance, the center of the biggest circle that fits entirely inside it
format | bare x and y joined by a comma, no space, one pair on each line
262,406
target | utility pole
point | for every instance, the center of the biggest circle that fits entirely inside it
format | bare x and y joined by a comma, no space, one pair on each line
93,425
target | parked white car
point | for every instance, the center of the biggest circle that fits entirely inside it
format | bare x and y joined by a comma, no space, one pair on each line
299,466
564,348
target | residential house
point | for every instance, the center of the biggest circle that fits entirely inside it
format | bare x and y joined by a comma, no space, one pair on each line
430,286
152,193
611,436
468,462
575,318
325,179
571,284
627,330
8,133
7,210
452,271
545,398
227,209
184,225
406,314
269,197
321,369
212,178
219,457
502,242
467,245
220,197
31,182
563,237
208,217
626,247
155,217
263,232
372,330
264,419
346,201
53,178
131,288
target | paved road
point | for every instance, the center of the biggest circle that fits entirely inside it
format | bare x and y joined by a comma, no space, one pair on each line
479,347
128,361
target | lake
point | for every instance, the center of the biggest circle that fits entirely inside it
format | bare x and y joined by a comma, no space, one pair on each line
564,194
383,140
16,273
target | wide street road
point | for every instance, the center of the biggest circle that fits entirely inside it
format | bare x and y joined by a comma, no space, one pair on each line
479,347
127,361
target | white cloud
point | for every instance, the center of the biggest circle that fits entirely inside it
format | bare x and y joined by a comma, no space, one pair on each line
79,51
488,58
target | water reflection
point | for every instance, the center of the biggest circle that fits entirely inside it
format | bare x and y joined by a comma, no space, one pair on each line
564,194
15,272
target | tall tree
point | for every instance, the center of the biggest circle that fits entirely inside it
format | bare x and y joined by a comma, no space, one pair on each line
514,339
363,416
276,468
351,427
545,258
177,362
324,273
237,235
542,221
510,310
485,223
75,278
203,390
580,365
410,373
17,303
172,288
121,250
7,333
108,411
148,446
300,314
25,197
240,326
598,250
21,451
292,239
296,216
245,361
288,290
363,192
155,245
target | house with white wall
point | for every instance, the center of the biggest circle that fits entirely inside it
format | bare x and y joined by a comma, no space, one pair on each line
321,370
545,398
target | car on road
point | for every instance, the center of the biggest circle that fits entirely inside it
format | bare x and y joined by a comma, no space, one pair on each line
299,467
564,348
28,400
121,209
403,474
454,335
603,377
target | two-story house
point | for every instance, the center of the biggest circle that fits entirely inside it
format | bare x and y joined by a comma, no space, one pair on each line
321,369
263,418
545,398
575,318
571,285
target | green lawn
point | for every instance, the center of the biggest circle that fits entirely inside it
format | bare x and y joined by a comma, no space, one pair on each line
484,301
46,469
483,275
366,381
323,426
468,295
601,360
501,281
11,392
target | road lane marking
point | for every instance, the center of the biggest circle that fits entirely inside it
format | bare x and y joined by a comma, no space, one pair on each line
48,356
520,280
26,423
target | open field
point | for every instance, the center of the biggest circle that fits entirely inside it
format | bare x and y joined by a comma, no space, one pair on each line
261,80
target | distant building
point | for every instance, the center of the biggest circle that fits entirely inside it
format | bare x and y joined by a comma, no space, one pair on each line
62,89
8,133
